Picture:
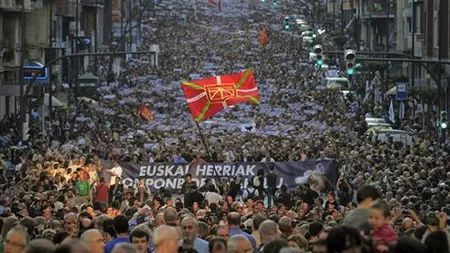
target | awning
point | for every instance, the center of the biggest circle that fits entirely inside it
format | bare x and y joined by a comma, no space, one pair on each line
392,91
55,102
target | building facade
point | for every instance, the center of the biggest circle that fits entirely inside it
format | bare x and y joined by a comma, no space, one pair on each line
51,28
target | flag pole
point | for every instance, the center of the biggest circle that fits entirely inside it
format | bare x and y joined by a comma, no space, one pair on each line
202,138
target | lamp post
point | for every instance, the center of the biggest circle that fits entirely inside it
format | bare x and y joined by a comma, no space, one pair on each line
22,99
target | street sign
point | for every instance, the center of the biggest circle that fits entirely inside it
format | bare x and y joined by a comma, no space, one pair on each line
402,91
29,72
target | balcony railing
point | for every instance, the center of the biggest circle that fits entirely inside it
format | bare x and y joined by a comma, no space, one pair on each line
16,5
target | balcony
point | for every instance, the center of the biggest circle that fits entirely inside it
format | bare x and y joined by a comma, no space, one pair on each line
16,5
379,9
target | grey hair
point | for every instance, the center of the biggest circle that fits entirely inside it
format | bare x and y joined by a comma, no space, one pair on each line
22,231
233,242
41,245
290,250
124,248
268,227
8,224
163,233
85,236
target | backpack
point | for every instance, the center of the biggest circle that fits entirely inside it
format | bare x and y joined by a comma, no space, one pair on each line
256,182
251,195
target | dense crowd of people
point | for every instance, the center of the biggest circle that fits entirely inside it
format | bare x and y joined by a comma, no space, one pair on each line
57,195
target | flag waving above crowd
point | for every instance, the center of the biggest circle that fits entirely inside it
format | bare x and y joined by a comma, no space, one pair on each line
209,96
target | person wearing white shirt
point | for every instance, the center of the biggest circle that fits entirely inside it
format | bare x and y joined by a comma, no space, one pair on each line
267,159
116,171
211,196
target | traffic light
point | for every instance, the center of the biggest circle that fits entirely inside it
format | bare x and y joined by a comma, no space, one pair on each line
318,51
349,58
444,120
275,3
287,25
263,1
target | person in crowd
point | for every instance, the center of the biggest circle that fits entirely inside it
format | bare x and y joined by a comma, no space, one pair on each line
239,244
40,245
115,172
189,227
298,241
268,230
272,182
139,238
256,222
71,224
234,222
217,245
102,194
121,228
94,240
124,248
165,239
359,218
187,189
16,240
382,234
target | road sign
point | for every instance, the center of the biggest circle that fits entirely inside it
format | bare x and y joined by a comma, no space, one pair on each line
29,72
402,91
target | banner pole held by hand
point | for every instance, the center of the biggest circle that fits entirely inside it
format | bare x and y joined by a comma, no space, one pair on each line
207,151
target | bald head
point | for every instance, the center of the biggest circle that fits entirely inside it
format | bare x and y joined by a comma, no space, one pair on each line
407,223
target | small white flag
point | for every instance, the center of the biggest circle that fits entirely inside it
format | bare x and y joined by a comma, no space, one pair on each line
391,113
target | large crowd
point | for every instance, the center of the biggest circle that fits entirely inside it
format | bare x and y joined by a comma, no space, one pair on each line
57,195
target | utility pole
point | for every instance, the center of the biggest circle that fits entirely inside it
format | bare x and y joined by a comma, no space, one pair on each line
76,49
50,48
96,36
413,34
387,32
22,99
342,20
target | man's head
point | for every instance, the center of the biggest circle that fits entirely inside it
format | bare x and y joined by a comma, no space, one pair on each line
164,239
121,224
189,227
140,239
171,216
71,224
188,177
94,240
285,224
367,194
16,240
268,230
159,219
124,248
239,244
223,231
257,220
234,219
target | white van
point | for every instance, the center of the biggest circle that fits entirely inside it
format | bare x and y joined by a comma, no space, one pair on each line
396,135
337,83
